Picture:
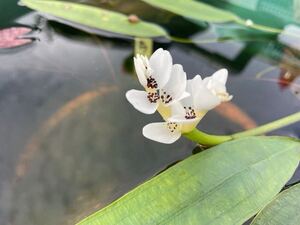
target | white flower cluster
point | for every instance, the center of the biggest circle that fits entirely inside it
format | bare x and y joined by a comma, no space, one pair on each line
182,103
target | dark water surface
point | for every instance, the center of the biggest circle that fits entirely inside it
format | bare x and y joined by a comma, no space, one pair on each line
69,141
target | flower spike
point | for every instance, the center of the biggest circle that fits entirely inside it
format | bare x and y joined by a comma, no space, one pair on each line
182,103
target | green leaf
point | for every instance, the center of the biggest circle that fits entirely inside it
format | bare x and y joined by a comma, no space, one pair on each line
226,185
283,210
202,11
95,17
195,10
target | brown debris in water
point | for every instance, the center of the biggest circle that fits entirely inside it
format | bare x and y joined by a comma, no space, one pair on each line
133,18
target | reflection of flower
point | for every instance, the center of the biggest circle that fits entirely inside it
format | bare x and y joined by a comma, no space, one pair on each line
189,100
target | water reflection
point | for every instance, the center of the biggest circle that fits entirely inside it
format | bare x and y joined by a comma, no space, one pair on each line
86,155
74,143
70,143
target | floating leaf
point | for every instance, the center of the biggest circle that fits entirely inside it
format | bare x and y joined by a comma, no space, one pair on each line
95,17
226,185
195,10
201,11
268,12
11,37
283,210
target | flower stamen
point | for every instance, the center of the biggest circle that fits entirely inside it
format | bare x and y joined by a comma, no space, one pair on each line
151,82
172,126
165,98
189,113
153,97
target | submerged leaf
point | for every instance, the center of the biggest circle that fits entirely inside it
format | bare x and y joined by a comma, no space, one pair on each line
95,17
11,37
283,210
226,185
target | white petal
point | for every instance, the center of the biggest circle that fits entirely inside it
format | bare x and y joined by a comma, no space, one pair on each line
191,87
183,120
161,133
204,99
187,125
195,83
176,85
187,101
221,75
183,96
140,101
177,109
161,65
140,70
217,87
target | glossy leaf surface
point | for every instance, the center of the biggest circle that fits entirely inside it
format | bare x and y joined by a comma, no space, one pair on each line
283,210
95,17
226,185
194,10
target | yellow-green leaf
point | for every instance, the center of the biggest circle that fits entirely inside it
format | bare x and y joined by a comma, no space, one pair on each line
226,185
194,10
95,17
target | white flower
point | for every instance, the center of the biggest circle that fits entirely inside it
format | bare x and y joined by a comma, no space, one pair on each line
216,83
186,114
181,103
164,82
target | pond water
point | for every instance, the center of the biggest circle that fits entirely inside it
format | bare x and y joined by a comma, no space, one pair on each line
69,141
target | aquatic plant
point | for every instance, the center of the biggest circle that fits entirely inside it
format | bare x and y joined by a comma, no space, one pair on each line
228,183
238,175
130,25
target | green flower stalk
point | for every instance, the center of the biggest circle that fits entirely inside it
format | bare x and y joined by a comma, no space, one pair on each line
211,140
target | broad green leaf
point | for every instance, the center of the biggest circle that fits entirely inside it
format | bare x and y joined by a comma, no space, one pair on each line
272,13
226,185
201,11
95,17
195,10
283,210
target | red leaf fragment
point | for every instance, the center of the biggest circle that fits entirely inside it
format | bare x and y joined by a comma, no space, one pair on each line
11,37
286,78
